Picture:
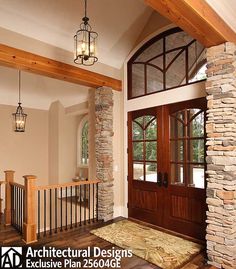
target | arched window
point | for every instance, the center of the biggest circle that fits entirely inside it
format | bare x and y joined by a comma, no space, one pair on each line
167,61
84,144
83,134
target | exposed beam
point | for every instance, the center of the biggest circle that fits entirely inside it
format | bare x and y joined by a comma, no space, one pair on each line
197,18
23,60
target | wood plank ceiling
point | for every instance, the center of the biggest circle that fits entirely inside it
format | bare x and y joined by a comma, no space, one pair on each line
197,18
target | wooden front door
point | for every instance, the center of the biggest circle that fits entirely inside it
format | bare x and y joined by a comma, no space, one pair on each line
166,172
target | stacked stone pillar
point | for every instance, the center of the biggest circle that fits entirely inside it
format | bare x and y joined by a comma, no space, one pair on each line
221,155
104,151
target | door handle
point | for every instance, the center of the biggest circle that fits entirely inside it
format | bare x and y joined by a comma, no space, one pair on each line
159,179
165,181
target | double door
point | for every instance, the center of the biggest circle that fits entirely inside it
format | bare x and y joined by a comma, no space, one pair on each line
166,167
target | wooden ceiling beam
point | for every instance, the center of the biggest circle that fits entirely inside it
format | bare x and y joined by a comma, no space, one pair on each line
197,18
23,60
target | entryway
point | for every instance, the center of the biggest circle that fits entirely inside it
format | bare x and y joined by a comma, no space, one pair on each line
166,170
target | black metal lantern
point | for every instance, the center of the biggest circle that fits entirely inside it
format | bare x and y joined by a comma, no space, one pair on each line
85,41
19,117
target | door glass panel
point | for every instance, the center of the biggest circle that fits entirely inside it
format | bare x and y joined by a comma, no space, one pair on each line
187,145
151,151
147,119
151,130
197,125
137,131
140,120
138,171
196,150
151,172
177,127
138,151
177,151
177,174
197,177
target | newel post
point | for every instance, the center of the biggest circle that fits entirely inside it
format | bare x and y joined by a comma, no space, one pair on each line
29,225
9,178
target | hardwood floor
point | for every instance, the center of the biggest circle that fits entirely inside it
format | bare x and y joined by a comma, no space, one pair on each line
81,238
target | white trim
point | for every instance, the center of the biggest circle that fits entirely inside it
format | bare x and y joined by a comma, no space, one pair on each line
79,136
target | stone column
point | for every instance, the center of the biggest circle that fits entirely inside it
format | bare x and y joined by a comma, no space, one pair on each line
221,155
104,151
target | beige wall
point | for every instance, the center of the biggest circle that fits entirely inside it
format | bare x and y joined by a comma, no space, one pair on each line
26,153
155,22
68,126
53,137
62,144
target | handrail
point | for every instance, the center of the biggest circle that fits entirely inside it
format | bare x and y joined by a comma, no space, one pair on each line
17,185
69,184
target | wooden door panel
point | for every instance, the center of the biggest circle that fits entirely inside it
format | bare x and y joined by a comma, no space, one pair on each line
197,212
179,205
145,200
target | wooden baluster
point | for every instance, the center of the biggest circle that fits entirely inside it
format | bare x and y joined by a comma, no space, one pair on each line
29,226
9,177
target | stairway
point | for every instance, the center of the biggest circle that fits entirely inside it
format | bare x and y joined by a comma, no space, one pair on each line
8,234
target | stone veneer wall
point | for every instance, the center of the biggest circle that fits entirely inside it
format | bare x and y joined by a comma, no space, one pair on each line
104,151
221,155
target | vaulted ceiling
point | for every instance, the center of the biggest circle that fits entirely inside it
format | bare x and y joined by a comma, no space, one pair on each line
55,22
120,24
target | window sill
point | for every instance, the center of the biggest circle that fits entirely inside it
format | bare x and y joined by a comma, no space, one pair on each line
83,166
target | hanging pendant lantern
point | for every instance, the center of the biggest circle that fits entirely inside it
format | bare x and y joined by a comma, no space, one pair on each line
85,42
19,117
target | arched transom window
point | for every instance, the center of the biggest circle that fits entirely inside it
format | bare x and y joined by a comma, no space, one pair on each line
171,59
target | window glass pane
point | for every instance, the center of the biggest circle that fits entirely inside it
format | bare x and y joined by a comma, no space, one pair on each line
138,82
177,151
138,151
177,174
137,132
170,56
196,150
151,151
84,144
138,171
152,51
199,74
151,130
176,73
196,177
176,127
177,40
157,62
154,79
151,172
197,124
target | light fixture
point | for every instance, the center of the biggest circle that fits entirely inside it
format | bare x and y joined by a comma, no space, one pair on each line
19,117
85,42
